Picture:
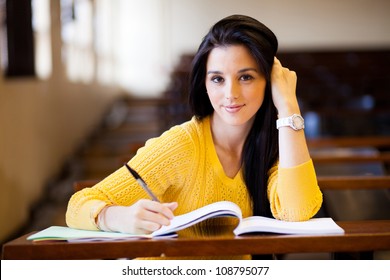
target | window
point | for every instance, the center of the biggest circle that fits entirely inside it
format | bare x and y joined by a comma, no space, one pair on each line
25,48
3,37
16,28
77,37
42,38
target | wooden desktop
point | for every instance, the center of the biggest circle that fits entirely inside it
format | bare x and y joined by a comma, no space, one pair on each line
360,236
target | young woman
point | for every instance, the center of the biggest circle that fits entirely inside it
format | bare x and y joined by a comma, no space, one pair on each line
230,150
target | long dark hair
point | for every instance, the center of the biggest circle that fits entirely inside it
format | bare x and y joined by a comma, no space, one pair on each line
261,145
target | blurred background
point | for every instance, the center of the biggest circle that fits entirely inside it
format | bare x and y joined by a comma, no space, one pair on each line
83,83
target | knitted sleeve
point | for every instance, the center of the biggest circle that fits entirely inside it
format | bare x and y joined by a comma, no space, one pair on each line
293,193
161,163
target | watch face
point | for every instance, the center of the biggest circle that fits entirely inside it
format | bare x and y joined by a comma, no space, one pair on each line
298,122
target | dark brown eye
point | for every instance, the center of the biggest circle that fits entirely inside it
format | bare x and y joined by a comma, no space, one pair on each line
217,79
246,77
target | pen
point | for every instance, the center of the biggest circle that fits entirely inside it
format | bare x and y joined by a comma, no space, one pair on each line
141,182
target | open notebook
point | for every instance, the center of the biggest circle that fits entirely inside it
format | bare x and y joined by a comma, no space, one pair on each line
215,210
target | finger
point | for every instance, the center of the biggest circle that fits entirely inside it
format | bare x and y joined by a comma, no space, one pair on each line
156,218
148,227
157,207
278,63
171,205
277,68
167,209
289,73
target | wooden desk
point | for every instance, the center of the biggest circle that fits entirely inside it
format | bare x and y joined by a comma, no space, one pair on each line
362,236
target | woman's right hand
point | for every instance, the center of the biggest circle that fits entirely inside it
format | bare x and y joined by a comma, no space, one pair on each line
143,217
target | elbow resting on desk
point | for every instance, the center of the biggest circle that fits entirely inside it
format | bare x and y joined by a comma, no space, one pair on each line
294,195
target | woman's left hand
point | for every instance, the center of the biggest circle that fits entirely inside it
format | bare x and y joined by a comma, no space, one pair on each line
283,84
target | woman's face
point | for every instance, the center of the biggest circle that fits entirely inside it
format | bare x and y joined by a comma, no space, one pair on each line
234,85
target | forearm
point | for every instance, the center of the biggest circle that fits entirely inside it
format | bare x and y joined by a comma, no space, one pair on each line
292,148
292,143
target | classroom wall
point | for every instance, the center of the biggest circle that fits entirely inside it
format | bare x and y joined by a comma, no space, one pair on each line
298,24
43,122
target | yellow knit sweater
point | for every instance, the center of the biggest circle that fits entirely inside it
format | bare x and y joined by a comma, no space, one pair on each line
182,165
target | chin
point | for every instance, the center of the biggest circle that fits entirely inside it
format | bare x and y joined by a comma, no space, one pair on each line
237,121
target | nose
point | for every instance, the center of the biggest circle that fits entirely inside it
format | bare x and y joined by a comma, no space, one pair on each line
232,91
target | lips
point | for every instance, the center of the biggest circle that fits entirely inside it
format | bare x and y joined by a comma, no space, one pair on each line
233,108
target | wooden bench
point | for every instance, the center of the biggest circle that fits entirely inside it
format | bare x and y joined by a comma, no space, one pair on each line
380,157
351,155
355,197
366,141
353,182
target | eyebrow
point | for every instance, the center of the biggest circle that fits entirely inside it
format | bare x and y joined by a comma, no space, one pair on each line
240,71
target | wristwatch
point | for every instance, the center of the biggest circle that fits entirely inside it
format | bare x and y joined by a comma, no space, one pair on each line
294,121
